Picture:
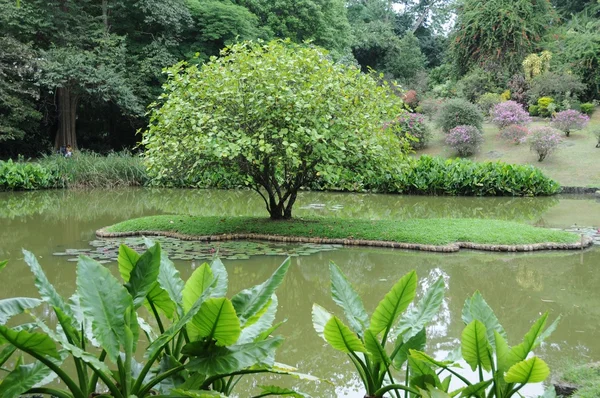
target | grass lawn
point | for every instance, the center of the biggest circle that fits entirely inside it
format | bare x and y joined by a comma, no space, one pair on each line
420,231
585,377
575,163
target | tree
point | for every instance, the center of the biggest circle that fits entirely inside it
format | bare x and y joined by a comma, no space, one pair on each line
279,114
498,34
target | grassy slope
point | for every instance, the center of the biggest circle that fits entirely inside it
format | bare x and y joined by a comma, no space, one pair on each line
423,231
575,163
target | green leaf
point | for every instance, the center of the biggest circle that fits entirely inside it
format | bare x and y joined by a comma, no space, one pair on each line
170,281
532,370
249,301
196,285
223,360
475,346
340,337
418,317
262,324
265,391
220,273
6,353
216,320
502,353
39,343
375,348
179,393
417,342
530,341
3,264
420,368
320,317
421,356
394,303
22,379
144,275
106,303
477,308
476,390
45,288
345,296
126,261
15,306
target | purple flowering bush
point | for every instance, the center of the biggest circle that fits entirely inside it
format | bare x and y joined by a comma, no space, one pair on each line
544,141
465,140
509,112
514,133
413,128
569,120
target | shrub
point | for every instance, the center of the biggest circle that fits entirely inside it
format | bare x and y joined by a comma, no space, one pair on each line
465,140
587,108
544,141
487,101
543,104
509,112
505,95
430,107
569,120
475,83
556,85
514,133
459,112
412,128
519,89
534,110
411,99
26,176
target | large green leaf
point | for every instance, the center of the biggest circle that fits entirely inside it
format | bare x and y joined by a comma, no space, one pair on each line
532,370
519,352
45,288
196,285
126,261
170,281
144,275
394,303
421,356
502,353
107,304
266,391
420,368
6,353
420,315
254,328
346,297
15,306
375,349
217,321
249,301
417,342
475,346
476,390
340,337
221,276
22,379
320,317
477,308
30,342
223,360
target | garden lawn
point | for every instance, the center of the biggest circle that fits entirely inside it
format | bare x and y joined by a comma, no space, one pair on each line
419,231
575,163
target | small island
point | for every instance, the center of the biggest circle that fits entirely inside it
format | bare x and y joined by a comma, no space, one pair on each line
437,235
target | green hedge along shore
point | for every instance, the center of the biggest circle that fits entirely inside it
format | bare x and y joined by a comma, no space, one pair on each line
443,235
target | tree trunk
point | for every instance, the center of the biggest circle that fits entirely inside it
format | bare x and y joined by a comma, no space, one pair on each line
67,113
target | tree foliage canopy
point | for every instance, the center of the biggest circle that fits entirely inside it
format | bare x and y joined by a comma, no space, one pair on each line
279,114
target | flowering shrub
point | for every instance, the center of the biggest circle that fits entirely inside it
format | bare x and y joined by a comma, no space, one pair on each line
509,112
465,140
514,133
543,141
411,126
459,112
569,120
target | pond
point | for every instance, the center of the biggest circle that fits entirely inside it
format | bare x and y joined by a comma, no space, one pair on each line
520,287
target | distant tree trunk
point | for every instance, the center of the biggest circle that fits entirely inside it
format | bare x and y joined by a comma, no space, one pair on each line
67,113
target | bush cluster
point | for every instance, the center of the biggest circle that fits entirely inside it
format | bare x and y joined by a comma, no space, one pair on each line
569,120
544,141
514,133
465,140
488,101
412,127
544,106
508,113
587,108
26,176
459,112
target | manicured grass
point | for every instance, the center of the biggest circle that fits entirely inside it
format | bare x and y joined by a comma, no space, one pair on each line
575,163
421,231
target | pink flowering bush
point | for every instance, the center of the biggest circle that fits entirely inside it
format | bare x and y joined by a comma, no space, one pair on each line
465,140
509,112
569,120
411,126
544,141
514,133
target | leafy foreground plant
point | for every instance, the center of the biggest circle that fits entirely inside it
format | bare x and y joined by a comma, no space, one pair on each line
483,343
365,340
205,345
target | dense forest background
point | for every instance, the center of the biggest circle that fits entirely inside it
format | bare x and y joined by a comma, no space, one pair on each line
82,72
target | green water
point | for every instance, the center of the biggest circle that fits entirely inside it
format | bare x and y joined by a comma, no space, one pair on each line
519,287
